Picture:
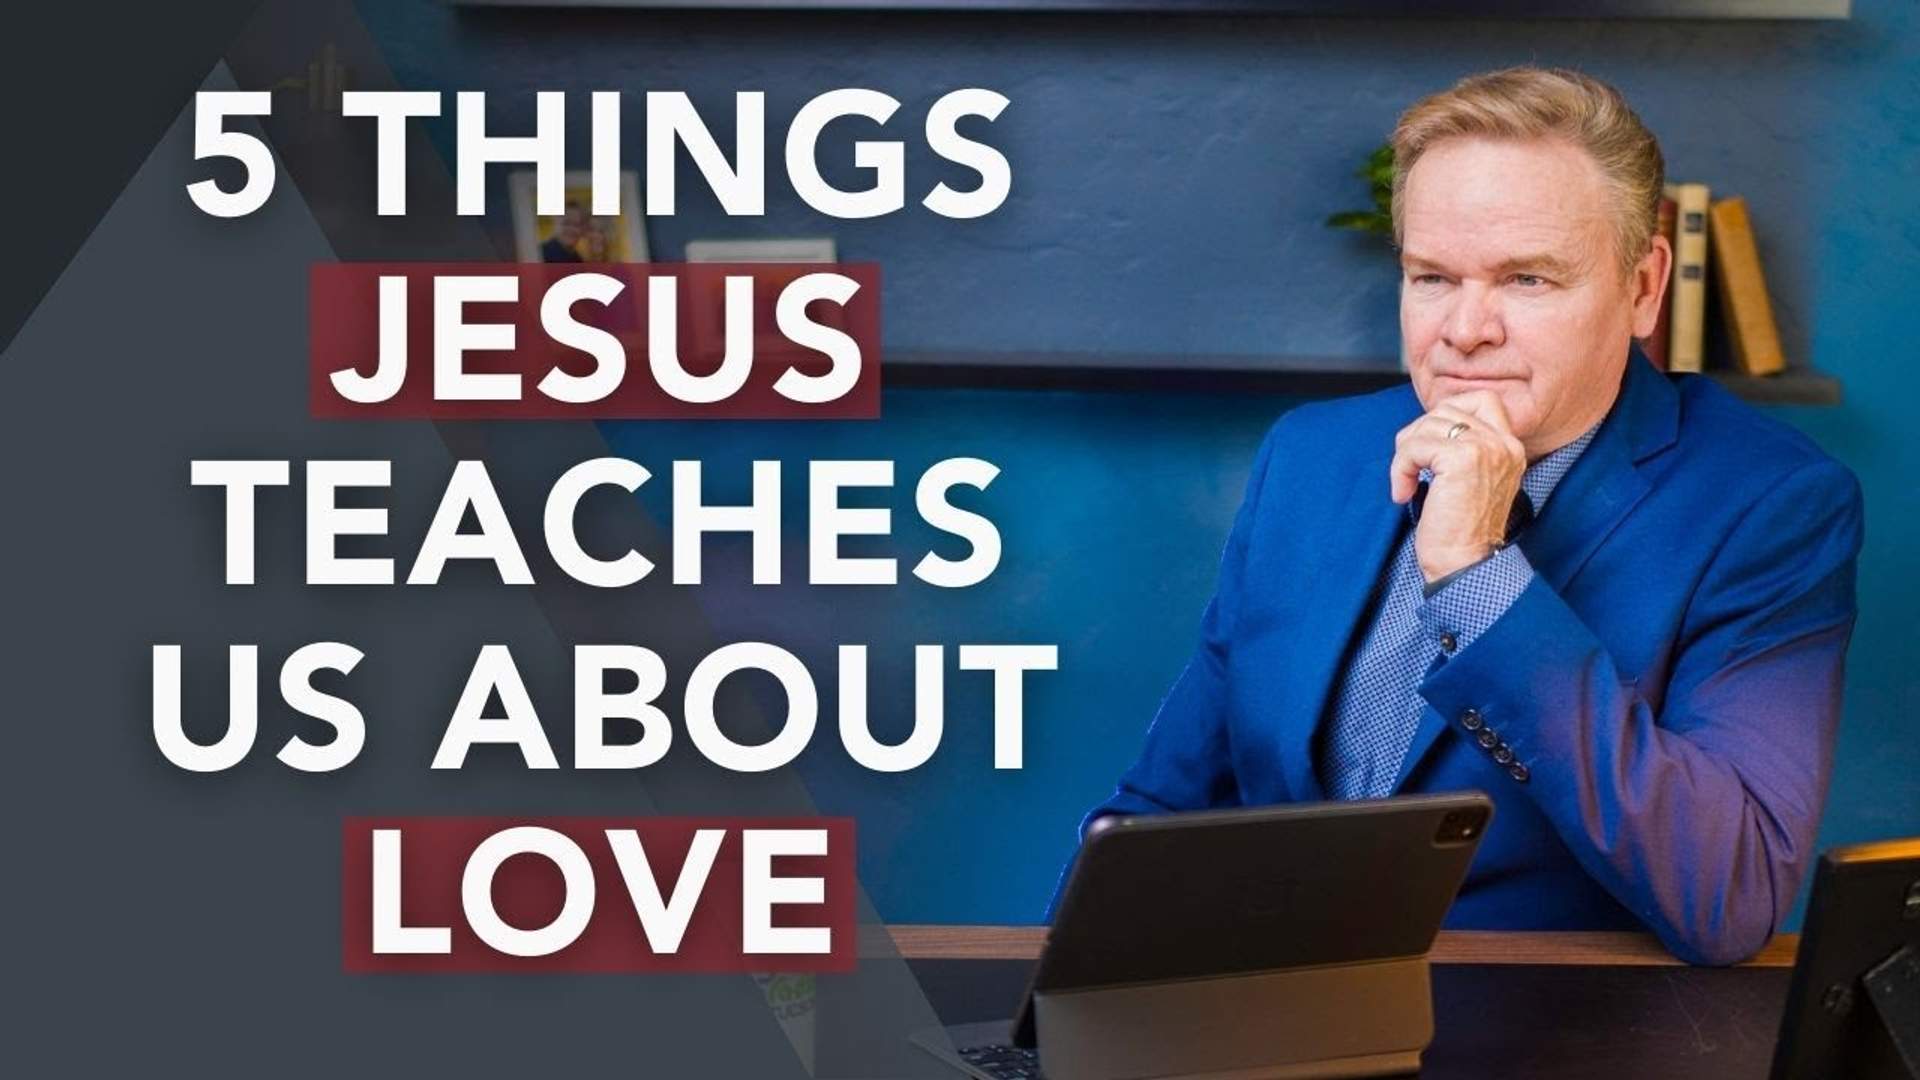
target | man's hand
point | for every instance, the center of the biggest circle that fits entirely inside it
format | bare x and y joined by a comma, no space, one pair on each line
1469,446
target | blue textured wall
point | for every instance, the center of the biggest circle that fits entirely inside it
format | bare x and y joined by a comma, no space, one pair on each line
1170,176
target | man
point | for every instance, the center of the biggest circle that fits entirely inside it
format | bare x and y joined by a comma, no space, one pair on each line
1618,602
564,245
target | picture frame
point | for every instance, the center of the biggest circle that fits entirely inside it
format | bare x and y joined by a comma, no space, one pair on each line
777,262
797,249
538,238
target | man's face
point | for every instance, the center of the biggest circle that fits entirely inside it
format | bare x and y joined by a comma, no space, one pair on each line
1512,284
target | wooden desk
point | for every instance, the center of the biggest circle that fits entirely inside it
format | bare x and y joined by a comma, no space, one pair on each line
1596,948
1599,1005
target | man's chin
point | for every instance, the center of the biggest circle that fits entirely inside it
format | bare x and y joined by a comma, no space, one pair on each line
1438,388
1513,394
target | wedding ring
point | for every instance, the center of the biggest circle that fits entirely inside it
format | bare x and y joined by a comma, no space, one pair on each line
1458,427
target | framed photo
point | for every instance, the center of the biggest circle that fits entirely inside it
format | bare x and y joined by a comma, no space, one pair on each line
812,249
775,264
576,235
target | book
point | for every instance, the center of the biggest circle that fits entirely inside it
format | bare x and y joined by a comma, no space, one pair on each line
1687,340
1655,344
1742,288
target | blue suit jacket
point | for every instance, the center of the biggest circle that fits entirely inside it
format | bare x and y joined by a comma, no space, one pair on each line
1670,680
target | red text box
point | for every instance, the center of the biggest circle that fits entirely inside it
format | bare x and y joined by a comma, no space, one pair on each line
528,892
345,317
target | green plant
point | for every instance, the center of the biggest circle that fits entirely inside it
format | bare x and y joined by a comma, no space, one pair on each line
1378,173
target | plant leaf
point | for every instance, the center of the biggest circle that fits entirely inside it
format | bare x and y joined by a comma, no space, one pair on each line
1379,168
1377,171
1367,221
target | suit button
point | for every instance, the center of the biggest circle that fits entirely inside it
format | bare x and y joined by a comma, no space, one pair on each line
1471,720
1518,772
1448,642
1487,739
1504,755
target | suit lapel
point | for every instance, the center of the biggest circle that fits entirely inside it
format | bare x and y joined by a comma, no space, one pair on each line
1605,483
1335,600
1589,503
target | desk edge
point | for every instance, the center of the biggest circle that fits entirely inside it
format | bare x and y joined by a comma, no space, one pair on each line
1576,948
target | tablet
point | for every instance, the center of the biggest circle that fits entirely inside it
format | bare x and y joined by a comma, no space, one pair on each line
1225,892
1853,1009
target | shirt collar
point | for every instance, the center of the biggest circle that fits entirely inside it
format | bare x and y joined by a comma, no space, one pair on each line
1545,474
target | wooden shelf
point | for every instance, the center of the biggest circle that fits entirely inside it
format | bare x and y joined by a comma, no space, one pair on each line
1512,9
1302,376
1790,387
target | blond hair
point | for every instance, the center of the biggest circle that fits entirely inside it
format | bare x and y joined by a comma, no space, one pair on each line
1545,103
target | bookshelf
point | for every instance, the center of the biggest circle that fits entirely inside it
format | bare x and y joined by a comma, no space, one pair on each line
1300,376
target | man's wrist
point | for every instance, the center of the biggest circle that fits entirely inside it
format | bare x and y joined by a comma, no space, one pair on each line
1435,585
1450,563
1471,600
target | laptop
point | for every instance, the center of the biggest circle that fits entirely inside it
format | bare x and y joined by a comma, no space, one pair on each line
1262,942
